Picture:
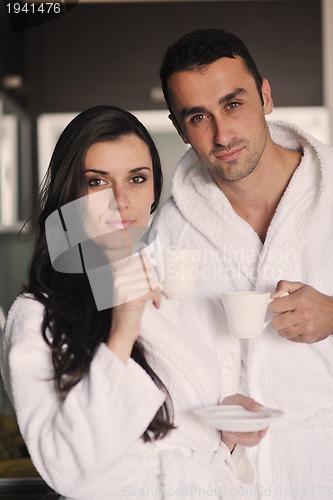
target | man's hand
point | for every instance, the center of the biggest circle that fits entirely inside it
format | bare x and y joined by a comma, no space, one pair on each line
305,315
242,438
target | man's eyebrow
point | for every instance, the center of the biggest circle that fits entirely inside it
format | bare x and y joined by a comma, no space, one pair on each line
102,172
201,109
232,95
192,111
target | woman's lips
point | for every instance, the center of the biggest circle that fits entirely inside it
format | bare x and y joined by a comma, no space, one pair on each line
120,223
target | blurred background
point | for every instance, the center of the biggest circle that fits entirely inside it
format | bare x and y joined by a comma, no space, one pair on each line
110,52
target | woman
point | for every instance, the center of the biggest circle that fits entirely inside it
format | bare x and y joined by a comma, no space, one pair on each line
93,389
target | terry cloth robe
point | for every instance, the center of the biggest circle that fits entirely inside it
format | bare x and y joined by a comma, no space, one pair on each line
89,447
295,459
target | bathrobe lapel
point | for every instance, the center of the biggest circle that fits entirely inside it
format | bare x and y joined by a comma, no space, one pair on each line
202,205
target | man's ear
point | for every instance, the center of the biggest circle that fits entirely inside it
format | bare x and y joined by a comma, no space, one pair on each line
177,127
267,97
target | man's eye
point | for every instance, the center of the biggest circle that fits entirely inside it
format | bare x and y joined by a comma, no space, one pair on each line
197,118
233,105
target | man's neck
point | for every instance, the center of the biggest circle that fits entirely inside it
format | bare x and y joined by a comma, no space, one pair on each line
256,197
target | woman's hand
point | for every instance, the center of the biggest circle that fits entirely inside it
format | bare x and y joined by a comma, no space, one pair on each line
242,438
135,283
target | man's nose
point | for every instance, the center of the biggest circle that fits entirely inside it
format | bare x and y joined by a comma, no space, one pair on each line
223,132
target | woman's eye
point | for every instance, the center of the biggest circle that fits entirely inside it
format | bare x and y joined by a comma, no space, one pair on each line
96,182
138,179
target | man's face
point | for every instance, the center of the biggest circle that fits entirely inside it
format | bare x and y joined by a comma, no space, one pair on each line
218,110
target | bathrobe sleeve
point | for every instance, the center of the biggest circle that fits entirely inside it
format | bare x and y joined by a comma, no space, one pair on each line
73,442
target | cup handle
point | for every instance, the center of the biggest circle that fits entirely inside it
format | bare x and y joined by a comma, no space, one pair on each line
284,294
266,324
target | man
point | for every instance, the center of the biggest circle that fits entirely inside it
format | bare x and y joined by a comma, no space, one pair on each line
256,199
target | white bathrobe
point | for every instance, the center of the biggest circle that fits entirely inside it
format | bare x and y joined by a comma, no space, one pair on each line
295,459
90,447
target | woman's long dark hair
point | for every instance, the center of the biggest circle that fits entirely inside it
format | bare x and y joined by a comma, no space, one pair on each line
72,326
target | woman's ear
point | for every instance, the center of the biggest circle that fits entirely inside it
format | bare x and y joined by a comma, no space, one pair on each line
153,205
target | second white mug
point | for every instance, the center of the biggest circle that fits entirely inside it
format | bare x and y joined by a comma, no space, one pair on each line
246,312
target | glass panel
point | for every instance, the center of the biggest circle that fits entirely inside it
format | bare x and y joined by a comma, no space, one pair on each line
15,164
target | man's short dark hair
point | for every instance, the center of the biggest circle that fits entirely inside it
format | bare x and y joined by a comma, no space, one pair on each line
201,47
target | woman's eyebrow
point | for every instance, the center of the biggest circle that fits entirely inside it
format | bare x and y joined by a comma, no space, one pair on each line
95,171
138,169
102,172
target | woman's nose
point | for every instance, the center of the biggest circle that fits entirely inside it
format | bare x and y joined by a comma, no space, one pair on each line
120,197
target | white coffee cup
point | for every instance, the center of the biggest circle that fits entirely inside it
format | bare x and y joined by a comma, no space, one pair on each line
246,312
182,271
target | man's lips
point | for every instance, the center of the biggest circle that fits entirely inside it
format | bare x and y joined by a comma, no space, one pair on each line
229,155
120,223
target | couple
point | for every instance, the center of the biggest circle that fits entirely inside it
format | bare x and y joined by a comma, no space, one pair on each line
104,398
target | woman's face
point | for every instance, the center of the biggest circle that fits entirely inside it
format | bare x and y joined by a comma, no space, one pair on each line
119,178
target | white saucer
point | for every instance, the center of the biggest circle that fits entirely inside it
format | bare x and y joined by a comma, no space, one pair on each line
236,419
